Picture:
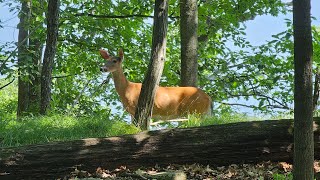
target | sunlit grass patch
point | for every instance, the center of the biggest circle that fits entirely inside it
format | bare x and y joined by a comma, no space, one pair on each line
42,129
225,118
8,101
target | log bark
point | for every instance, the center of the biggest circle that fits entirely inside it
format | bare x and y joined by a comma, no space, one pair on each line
217,145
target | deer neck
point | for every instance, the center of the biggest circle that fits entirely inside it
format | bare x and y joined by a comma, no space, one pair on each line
120,81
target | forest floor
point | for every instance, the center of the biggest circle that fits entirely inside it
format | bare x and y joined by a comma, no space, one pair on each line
261,171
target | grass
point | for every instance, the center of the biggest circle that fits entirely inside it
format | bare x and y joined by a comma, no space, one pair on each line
223,118
43,129
54,127
61,127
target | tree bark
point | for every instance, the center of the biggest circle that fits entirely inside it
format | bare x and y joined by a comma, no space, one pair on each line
189,42
303,105
36,46
49,54
217,145
29,60
23,59
35,69
158,54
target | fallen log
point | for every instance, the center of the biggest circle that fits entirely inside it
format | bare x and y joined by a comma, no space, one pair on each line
217,145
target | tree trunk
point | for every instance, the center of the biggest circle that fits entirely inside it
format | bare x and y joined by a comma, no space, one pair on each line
49,54
23,59
36,46
303,105
217,145
189,42
35,69
158,54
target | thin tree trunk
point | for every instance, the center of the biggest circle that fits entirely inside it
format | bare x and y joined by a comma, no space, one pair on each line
50,51
36,46
35,70
316,90
158,54
303,105
189,42
23,59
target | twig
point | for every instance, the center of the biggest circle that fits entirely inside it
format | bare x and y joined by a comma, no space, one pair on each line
238,104
78,97
7,84
253,106
107,80
79,43
120,16
64,76
113,16
284,106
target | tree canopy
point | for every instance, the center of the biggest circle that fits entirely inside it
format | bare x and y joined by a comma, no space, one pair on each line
263,73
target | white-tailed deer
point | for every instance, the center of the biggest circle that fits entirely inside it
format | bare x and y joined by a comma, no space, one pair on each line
169,103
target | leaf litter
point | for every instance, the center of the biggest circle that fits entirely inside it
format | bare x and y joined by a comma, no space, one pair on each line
261,171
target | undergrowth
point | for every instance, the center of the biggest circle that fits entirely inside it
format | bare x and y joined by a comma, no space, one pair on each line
283,176
42,129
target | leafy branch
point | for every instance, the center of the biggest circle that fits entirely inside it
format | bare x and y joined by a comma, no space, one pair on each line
268,98
68,75
251,106
19,45
110,16
82,44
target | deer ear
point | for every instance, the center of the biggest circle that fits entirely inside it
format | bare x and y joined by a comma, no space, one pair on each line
104,54
121,54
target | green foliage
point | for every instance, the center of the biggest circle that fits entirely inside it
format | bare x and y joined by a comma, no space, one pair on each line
87,26
263,73
9,101
283,176
316,45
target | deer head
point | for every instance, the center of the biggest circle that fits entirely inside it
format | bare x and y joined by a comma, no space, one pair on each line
113,63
